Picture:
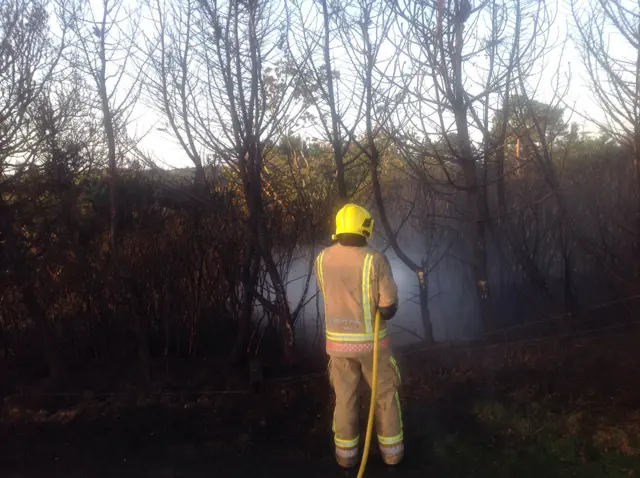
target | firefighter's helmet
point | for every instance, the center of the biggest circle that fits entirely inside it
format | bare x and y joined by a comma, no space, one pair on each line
353,219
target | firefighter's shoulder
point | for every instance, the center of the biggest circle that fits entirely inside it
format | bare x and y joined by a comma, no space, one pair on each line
379,255
380,259
338,254
325,249
325,252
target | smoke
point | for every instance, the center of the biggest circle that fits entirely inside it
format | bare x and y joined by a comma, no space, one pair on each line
453,314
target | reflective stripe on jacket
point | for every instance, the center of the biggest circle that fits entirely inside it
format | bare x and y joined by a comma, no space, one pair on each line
354,282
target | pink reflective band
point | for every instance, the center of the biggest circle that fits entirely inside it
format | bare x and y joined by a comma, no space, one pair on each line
333,346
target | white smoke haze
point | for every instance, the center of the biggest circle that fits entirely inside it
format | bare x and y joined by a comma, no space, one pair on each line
453,314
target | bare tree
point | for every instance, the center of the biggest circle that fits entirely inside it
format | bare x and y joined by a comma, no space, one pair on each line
29,60
614,77
224,88
256,90
171,83
464,62
366,26
314,47
104,49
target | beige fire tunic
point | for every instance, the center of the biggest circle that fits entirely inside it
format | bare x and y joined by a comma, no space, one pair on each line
355,281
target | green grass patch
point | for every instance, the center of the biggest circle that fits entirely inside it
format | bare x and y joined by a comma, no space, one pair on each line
505,438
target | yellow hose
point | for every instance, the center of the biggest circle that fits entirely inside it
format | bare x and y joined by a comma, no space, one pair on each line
374,390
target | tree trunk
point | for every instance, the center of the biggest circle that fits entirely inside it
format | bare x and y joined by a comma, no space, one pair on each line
249,273
476,199
636,163
374,157
262,243
425,314
501,189
479,258
570,300
501,143
476,208
45,333
335,119
249,269
200,180
286,320
107,121
374,162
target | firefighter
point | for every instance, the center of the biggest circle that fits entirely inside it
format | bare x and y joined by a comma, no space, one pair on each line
356,282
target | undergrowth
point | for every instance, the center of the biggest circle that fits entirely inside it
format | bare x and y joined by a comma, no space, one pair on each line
555,416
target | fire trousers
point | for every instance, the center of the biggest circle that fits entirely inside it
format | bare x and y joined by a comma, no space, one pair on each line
345,375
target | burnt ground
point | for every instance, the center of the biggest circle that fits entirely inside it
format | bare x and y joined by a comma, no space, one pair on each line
550,409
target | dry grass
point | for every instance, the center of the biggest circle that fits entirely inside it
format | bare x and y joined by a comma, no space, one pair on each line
573,412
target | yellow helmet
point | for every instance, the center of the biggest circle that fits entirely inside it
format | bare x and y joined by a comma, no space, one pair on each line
353,219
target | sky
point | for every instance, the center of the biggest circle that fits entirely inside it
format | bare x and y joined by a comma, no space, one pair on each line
563,62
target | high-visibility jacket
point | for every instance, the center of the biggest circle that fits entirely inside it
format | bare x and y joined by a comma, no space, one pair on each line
355,282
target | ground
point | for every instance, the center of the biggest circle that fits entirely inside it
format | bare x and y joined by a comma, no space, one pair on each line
549,409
